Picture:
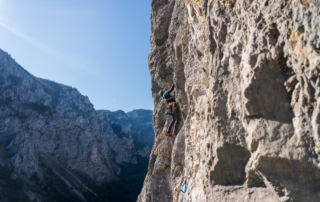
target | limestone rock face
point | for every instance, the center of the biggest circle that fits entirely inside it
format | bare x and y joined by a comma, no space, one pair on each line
49,129
247,75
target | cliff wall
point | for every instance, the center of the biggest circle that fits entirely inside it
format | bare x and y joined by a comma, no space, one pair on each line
247,75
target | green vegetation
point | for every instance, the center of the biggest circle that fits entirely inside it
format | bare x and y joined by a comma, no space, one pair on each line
100,116
196,2
165,166
157,151
100,112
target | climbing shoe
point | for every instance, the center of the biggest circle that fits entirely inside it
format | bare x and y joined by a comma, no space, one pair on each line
168,134
174,134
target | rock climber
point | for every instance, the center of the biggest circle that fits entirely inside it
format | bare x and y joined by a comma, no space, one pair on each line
172,109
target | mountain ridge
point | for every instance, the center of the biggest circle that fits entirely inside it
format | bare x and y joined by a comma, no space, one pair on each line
53,144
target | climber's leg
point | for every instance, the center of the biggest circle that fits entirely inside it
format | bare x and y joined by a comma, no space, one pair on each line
171,124
177,121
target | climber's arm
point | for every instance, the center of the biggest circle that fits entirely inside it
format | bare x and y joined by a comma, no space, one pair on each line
171,89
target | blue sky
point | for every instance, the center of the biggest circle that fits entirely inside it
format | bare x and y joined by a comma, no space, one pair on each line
99,47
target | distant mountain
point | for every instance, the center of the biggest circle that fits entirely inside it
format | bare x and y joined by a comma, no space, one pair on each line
137,123
55,147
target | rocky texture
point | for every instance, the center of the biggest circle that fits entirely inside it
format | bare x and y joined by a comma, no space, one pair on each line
52,138
247,73
134,129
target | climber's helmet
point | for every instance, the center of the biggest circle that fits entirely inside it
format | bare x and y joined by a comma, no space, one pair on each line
161,92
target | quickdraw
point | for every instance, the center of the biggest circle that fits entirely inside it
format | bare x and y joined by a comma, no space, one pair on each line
184,190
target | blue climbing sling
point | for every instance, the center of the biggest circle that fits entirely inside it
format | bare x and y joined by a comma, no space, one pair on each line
184,189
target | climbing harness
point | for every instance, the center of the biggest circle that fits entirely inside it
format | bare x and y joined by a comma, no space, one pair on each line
171,108
184,190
